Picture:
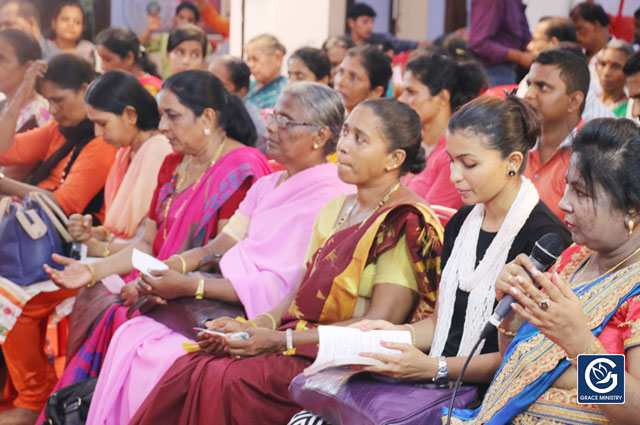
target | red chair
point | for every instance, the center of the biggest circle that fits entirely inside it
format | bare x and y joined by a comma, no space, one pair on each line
444,214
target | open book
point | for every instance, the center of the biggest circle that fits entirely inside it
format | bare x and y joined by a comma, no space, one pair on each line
341,346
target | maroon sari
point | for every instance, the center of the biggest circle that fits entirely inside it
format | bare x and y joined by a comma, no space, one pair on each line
208,389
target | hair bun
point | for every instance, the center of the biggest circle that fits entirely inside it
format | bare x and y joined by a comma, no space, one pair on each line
417,163
531,119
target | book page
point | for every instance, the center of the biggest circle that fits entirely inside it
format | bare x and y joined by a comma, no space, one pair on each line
342,345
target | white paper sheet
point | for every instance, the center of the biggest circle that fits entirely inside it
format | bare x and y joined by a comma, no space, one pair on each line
144,263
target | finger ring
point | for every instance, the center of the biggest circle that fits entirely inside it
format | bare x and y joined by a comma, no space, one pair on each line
544,304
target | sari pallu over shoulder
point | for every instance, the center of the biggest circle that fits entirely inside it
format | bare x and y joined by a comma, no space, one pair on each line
329,289
532,363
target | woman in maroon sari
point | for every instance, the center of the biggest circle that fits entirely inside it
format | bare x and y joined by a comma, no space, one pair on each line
373,254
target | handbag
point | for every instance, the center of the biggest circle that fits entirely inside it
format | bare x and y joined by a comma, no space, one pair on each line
343,397
70,405
184,314
30,232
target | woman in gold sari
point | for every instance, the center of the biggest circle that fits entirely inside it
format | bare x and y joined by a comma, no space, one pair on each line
589,304
372,255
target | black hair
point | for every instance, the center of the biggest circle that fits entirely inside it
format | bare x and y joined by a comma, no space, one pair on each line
120,41
632,65
198,90
560,28
569,46
401,126
509,125
376,64
238,69
25,46
187,32
192,7
69,71
464,80
590,12
114,90
607,152
360,9
26,9
636,14
315,59
452,45
574,70
68,3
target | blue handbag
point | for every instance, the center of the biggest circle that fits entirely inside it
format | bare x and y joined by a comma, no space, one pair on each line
29,233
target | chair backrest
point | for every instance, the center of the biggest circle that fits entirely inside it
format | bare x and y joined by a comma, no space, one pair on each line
499,91
444,213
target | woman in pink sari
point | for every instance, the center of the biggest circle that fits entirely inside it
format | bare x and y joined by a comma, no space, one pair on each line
262,249
199,188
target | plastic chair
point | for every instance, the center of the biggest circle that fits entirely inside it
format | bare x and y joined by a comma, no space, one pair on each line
498,91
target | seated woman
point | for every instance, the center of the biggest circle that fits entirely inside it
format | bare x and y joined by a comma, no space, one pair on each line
336,48
119,48
21,50
609,68
371,255
308,64
487,141
67,25
588,305
126,116
72,166
435,87
209,131
262,249
186,49
264,57
363,74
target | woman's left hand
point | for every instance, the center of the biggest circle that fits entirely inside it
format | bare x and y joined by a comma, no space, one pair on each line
260,341
556,312
168,284
410,364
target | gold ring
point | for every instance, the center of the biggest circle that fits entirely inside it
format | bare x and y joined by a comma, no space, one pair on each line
544,304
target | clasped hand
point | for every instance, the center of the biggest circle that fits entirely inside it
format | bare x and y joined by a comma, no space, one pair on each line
260,341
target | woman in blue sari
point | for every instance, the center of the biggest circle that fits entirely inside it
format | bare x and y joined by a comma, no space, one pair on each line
588,304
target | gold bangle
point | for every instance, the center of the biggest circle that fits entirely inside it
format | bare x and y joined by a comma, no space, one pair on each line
107,231
105,251
200,290
253,323
240,319
505,332
182,261
94,279
413,333
593,348
273,320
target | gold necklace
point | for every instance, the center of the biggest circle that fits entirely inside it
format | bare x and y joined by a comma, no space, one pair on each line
347,215
193,188
624,260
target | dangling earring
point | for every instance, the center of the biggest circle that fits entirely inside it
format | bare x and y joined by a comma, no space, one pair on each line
207,132
631,226
512,173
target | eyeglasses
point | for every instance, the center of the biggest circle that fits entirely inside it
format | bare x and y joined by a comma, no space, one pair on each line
284,122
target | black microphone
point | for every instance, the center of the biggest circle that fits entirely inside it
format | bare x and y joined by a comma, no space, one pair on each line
543,255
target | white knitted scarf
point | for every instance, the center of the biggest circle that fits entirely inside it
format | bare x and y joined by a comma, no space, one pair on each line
459,271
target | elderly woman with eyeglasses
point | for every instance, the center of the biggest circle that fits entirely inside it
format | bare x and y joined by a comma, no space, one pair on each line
261,250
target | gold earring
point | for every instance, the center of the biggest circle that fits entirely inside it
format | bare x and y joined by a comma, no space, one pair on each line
631,226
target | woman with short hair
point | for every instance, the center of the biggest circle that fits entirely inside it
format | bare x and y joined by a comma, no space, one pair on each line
308,64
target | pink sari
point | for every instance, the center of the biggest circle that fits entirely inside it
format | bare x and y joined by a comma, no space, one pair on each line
191,221
263,269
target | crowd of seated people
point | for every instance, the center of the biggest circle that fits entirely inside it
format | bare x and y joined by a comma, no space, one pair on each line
283,201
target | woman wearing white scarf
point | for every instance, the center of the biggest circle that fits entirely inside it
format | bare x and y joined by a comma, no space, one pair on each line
487,140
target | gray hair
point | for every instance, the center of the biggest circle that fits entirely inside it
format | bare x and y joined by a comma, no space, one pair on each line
621,46
322,106
269,42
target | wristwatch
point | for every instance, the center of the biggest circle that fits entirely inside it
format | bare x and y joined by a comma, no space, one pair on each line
442,378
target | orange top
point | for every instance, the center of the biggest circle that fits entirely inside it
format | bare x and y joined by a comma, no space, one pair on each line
212,18
87,174
548,178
